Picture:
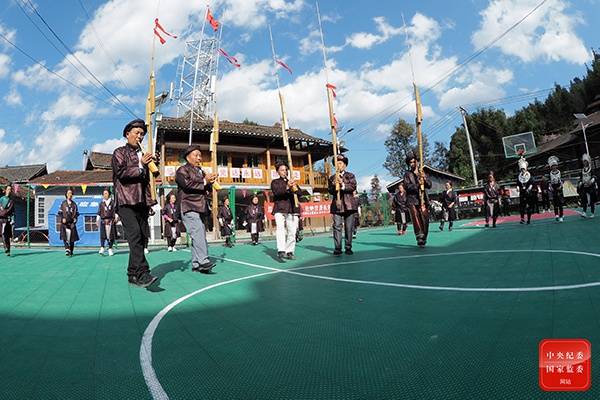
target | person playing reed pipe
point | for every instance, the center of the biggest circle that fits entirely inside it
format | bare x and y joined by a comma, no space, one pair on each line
285,212
400,209
68,213
7,211
419,212
194,187
448,206
343,214
172,220
255,216
491,200
106,219
133,200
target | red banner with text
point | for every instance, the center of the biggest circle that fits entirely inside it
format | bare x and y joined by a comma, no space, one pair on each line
308,210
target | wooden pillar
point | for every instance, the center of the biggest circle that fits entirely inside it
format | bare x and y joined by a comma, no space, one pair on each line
327,167
162,170
311,175
268,155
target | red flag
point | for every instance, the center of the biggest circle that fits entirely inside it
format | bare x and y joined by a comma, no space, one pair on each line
332,87
335,123
158,29
212,21
232,60
284,65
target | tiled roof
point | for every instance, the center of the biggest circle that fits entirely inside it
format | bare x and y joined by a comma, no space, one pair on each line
100,160
236,129
74,178
22,173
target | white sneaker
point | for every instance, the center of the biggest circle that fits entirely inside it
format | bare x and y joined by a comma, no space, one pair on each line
583,215
169,249
101,251
174,249
146,251
561,219
110,252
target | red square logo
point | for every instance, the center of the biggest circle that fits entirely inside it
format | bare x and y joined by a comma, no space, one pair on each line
565,365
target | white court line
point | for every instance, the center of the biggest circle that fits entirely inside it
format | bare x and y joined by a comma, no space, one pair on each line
157,391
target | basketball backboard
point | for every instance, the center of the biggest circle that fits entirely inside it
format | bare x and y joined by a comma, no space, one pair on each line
519,145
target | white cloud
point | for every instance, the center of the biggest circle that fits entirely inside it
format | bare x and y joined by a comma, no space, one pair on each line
68,106
364,40
479,84
108,146
13,98
548,34
10,152
36,77
10,34
53,145
252,14
4,65
383,130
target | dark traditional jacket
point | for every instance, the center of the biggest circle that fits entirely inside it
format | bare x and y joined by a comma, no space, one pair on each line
399,202
132,183
6,214
411,183
347,189
255,214
193,193
171,211
526,187
448,198
106,212
491,192
70,213
283,197
225,218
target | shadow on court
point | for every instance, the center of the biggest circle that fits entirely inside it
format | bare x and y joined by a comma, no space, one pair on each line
73,330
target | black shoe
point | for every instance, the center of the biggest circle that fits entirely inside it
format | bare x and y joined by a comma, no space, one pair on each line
337,252
487,225
132,279
281,255
493,226
522,221
441,228
349,252
205,268
67,253
450,229
146,280
528,222
290,256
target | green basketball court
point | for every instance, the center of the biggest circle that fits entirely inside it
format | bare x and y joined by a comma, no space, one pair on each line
461,319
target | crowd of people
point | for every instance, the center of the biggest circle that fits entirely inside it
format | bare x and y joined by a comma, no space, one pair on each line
188,209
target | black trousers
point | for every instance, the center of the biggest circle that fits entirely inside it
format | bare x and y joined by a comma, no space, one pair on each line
347,220
5,228
491,211
135,224
588,198
420,220
448,214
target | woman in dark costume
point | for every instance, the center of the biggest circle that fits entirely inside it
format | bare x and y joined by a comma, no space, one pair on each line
225,220
255,216
419,213
7,210
587,187
448,206
107,222
400,209
526,193
491,199
68,214
172,219
555,188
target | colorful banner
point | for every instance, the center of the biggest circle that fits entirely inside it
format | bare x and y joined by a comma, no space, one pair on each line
235,172
308,210
257,173
223,172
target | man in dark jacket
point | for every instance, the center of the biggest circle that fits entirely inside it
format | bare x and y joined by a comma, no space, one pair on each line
448,206
344,210
194,187
285,212
133,199
419,210
7,210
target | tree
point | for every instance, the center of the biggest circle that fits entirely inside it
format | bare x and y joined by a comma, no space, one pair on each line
249,122
439,158
401,141
375,188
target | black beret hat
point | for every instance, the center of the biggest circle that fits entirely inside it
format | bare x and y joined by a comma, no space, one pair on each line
136,123
341,158
191,148
410,156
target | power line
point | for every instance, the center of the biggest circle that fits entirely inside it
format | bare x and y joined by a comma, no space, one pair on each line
37,62
78,60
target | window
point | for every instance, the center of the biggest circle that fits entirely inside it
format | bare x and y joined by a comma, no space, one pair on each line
253,161
222,159
90,223
57,223
41,211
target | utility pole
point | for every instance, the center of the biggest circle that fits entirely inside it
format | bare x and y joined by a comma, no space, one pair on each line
464,116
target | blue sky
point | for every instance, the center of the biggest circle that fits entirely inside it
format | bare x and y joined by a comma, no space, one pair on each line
42,119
